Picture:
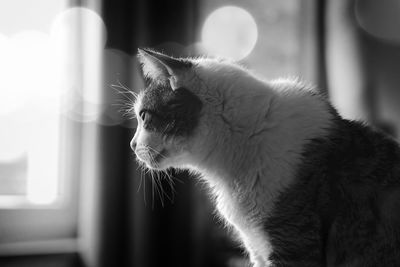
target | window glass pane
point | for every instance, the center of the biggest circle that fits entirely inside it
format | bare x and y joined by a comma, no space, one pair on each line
29,103
50,54
13,177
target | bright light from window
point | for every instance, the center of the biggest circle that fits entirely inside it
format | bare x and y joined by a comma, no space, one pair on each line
40,68
92,36
43,151
29,101
230,32
13,137
28,89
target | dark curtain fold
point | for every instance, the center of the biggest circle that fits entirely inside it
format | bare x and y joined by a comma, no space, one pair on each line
312,35
133,231
352,84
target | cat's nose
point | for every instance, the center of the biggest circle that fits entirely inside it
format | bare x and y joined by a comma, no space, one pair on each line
133,144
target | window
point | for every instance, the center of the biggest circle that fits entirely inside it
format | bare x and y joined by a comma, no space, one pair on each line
29,113
46,60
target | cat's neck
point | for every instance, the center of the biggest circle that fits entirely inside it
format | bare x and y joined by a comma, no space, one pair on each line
261,134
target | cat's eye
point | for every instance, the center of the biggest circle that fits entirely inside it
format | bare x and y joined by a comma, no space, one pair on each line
142,114
151,120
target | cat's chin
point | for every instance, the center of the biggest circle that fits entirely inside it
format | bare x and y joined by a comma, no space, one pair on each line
164,164
153,160
156,166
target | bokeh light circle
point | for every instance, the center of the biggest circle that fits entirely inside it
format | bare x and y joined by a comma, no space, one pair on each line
66,25
379,18
79,37
229,31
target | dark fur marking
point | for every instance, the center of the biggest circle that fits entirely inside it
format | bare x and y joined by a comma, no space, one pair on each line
344,207
171,112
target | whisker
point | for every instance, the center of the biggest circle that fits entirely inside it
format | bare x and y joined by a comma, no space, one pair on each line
156,151
160,176
140,183
144,187
159,188
152,190
170,198
175,178
171,183
155,181
126,109
123,89
127,101
157,176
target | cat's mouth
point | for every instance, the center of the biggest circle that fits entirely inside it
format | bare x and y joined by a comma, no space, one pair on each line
151,157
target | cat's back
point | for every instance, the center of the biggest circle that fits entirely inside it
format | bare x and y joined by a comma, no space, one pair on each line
358,154
344,207
366,191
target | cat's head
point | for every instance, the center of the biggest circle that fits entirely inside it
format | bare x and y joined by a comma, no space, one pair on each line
168,111
179,111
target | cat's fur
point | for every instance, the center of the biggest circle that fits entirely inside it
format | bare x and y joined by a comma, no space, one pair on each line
300,185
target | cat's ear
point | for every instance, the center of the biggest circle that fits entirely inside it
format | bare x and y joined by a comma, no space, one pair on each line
162,68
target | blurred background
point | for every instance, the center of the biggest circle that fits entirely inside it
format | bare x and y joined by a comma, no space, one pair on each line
71,193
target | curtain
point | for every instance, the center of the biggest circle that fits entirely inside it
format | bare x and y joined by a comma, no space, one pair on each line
120,227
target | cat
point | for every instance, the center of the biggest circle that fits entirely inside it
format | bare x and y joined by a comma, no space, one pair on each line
300,185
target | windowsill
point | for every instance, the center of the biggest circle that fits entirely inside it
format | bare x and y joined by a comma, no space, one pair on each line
44,247
21,202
